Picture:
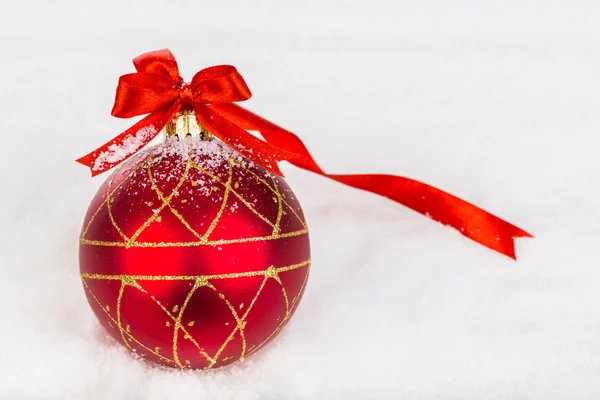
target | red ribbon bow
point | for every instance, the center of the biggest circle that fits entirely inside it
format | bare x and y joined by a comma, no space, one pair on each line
158,89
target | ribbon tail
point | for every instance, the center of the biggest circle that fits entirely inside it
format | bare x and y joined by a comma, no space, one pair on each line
129,142
470,220
254,149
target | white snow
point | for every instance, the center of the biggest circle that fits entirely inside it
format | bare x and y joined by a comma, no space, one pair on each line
496,102
130,145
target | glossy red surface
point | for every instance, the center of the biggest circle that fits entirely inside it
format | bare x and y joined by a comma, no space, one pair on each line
192,257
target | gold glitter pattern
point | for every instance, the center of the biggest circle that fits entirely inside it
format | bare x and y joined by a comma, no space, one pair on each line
203,240
130,337
177,313
223,184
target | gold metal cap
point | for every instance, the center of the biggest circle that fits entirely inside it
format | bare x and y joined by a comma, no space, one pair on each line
185,125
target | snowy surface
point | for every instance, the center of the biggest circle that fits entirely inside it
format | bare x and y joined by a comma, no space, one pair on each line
496,102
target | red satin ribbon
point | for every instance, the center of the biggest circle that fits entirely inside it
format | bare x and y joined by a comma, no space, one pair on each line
158,89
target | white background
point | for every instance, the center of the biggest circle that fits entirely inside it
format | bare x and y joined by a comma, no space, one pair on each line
497,102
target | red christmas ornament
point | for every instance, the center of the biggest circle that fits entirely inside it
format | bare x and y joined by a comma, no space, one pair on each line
193,257
194,254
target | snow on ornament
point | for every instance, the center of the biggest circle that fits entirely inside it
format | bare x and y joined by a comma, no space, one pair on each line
195,252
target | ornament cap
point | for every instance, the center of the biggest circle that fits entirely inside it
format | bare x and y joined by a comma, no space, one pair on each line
185,125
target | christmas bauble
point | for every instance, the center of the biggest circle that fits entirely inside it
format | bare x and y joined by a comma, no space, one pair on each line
193,257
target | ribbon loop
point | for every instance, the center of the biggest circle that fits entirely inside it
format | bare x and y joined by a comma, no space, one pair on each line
159,62
141,93
158,89
220,84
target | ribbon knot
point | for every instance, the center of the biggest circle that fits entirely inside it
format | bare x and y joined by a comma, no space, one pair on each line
186,96
157,89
